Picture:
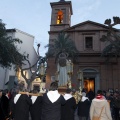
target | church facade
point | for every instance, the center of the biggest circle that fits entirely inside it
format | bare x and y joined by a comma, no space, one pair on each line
86,35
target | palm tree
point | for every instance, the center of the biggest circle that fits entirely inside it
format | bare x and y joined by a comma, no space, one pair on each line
63,44
112,38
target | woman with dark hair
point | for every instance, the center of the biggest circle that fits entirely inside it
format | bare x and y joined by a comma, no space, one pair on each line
52,101
100,108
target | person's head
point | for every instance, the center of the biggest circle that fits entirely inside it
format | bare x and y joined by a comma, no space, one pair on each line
83,90
0,93
91,90
99,92
69,91
53,86
108,94
16,90
5,91
116,94
35,91
83,94
21,86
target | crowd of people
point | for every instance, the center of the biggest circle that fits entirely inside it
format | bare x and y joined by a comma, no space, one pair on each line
55,106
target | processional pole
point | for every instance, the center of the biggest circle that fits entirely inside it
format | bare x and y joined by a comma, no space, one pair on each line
80,78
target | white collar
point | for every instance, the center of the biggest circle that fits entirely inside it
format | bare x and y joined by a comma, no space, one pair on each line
53,96
84,98
67,96
16,98
7,96
33,98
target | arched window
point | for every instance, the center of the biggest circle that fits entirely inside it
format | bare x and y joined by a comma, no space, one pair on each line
60,17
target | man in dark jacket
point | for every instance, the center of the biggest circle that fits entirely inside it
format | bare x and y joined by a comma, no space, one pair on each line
4,105
116,103
91,95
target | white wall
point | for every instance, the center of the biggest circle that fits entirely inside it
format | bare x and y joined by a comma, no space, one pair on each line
25,47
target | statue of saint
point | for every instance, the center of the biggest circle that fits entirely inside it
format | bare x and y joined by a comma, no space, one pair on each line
62,75
63,71
42,69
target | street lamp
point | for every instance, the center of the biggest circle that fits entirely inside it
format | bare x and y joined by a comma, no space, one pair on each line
42,69
42,73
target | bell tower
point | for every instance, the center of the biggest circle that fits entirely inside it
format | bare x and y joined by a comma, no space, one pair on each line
61,15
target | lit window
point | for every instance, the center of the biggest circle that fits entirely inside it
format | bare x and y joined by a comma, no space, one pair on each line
59,17
88,42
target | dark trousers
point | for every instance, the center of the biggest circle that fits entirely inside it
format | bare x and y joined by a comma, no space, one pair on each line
83,118
117,113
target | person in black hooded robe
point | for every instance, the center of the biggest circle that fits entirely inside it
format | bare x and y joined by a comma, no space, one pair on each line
68,110
84,107
36,108
4,105
52,101
22,104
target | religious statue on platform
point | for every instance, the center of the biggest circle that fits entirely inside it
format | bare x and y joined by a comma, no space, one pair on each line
63,70
42,69
62,75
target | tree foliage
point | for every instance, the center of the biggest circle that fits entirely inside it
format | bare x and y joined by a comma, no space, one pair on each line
9,54
63,43
112,38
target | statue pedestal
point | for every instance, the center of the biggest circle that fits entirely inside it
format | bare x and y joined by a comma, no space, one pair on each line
62,89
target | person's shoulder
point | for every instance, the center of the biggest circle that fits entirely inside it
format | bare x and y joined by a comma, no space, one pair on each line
72,98
44,95
39,97
99,100
24,96
61,96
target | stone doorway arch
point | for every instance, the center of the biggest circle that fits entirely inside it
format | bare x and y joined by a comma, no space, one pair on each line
92,74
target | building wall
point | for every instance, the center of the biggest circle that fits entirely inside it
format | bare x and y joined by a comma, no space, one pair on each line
107,76
27,48
90,61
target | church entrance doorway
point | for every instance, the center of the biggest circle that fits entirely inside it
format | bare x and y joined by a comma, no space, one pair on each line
89,83
91,79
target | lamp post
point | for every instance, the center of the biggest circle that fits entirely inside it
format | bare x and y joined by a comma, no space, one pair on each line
42,70
80,78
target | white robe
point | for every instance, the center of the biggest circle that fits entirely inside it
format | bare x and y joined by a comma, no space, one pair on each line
62,75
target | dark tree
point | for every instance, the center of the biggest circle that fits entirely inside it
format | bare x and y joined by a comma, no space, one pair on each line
9,54
34,74
112,38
